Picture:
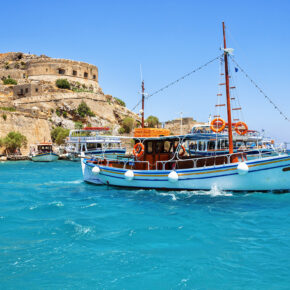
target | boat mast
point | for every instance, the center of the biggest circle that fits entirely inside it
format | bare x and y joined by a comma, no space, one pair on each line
230,131
143,97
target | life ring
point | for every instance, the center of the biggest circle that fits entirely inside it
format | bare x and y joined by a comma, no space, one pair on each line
241,131
138,150
215,123
182,152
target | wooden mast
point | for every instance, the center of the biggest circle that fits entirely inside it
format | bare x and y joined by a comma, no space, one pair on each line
230,131
143,97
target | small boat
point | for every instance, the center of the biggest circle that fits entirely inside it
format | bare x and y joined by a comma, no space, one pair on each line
162,162
43,152
90,142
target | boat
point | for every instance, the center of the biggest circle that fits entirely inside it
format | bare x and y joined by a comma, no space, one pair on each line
90,142
162,162
43,152
251,142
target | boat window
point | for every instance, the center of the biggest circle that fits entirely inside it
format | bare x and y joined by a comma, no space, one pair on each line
149,147
211,145
166,148
192,145
159,147
201,145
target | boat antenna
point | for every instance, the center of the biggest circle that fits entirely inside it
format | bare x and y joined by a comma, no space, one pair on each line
230,133
143,98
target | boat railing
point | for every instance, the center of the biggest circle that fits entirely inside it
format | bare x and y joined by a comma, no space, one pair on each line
197,162
101,160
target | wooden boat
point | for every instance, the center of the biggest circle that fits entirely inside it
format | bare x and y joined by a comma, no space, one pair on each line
43,152
163,163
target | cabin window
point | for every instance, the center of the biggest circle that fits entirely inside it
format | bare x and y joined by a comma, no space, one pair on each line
192,145
201,145
159,147
211,145
167,147
149,147
99,145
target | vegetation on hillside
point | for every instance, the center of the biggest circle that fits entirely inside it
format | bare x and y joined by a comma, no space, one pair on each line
152,121
62,84
10,109
84,110
59,134
120,102
127,125
13,141
9,81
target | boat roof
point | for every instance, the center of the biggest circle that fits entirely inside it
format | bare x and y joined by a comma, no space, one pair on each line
202,136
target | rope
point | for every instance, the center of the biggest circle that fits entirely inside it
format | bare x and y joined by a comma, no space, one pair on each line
261,91
176,81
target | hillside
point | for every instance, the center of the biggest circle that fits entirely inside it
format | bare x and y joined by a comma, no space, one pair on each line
35,105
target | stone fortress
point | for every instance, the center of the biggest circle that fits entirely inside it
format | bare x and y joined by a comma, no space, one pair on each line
30,69
38,105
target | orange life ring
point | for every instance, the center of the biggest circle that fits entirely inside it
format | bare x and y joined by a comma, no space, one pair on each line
182,152
238,130
138,150
214,125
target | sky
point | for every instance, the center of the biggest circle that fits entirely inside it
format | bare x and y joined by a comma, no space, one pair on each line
168,39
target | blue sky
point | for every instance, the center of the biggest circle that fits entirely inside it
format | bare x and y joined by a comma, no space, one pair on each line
168,38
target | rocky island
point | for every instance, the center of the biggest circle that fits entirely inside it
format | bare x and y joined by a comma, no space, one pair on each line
39,93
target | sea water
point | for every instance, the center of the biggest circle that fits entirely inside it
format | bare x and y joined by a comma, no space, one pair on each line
57,232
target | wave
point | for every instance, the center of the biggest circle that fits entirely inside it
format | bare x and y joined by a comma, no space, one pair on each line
79,229
54,204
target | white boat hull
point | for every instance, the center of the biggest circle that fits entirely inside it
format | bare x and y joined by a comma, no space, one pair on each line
45,157
270,173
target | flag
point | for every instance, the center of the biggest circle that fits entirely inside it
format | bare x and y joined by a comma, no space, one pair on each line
236,69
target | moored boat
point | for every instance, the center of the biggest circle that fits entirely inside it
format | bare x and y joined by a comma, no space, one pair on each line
43,152
90,142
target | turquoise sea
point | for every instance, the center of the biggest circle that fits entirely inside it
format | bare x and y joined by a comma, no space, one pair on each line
57,232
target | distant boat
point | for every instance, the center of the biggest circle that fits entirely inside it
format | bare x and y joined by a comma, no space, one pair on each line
43,152
90,142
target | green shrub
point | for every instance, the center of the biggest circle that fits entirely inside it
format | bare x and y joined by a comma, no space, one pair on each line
4,116
64,113
9,81
152,121
120,102
59,134
78,125
84,110
13,141
62,84
121,131
10,109
128,124
58,112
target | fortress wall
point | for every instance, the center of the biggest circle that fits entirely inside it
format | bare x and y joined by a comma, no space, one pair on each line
13,73
61,67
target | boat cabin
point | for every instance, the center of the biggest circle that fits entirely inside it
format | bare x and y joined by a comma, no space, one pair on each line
167,153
